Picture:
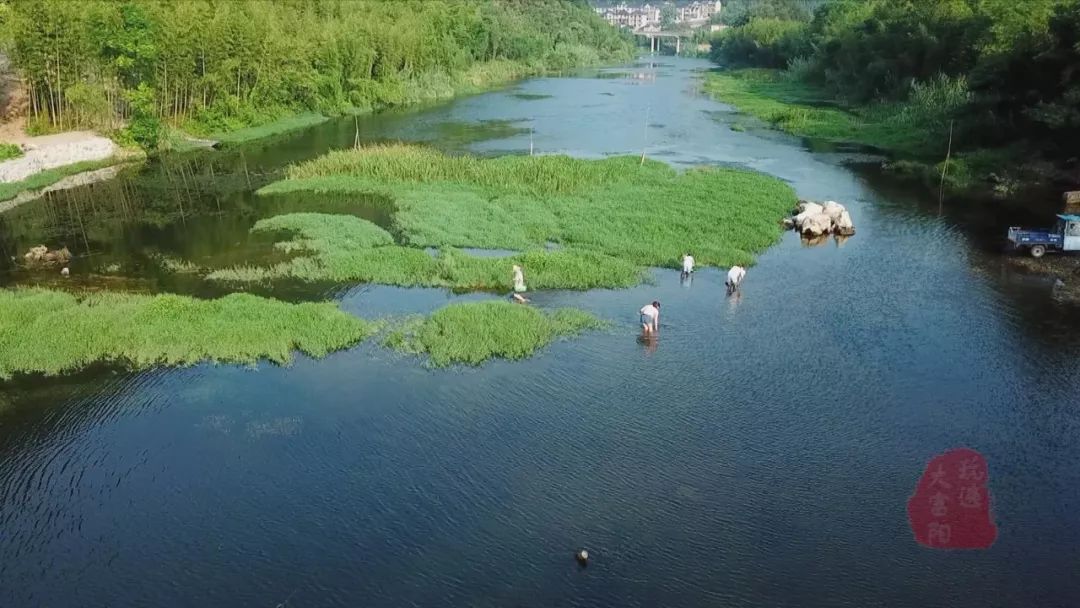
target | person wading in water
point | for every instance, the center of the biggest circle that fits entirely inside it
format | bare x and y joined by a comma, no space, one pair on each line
650,318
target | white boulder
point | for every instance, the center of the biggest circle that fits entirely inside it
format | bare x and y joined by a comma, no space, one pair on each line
843,225
815,225
832,209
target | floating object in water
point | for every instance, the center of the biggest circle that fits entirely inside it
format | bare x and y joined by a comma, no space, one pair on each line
582,557
64,271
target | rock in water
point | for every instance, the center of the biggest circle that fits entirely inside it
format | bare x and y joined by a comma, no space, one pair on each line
833,209
843,225
815,225
805,206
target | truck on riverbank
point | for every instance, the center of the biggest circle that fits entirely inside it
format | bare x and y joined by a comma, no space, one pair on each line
1063,236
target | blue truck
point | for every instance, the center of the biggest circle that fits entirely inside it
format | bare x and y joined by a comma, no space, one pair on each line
1064,236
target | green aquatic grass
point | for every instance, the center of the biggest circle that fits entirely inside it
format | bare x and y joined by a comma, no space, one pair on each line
472,333
801,109
346,248
323,230
277,127
51,332
612,216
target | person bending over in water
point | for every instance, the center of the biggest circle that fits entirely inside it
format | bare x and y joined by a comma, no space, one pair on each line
735,278
650,318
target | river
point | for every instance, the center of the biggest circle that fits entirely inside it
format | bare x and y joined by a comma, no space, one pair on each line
761,455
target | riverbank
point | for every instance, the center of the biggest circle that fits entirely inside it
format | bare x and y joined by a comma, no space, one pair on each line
429,88
916,146
49,160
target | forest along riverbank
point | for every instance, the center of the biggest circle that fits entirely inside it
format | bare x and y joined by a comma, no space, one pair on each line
253,69
438,204
991,88
244,76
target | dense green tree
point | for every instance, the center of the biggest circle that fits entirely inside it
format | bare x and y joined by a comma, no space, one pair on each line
213,65
668,14
1002,70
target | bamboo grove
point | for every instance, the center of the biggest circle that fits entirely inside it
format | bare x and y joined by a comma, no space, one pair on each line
216,66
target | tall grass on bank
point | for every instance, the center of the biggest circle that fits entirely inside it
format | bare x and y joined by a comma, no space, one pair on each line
277,127
917,127
612,217
51,332
471,333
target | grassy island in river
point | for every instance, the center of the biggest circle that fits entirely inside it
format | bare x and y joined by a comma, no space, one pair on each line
52,332
611,219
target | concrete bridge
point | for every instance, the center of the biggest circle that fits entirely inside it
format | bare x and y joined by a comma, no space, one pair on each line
656,34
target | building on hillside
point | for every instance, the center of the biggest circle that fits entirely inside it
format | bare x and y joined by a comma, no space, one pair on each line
697,12
649,15
632,17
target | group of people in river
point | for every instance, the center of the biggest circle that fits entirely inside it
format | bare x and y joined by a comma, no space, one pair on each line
649,315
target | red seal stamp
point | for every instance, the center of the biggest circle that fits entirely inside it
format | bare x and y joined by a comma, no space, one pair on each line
950,508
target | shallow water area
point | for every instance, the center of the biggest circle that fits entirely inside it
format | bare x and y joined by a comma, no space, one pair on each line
760,452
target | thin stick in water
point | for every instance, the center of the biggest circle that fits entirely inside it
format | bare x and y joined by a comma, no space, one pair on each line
944,169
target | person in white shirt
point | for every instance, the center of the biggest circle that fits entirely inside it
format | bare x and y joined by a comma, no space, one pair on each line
650,318
519,279
735,278
687,264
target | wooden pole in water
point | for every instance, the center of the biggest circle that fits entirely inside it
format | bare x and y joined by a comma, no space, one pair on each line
356,136
944,169
532,129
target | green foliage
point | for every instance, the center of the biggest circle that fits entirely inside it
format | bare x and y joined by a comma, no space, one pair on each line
474,332
270,129
668,14
52,332
345,248
798,108
764,42
221,66
738,13
1002,71
8,151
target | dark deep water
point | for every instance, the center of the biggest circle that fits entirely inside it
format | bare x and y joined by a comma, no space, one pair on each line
762,455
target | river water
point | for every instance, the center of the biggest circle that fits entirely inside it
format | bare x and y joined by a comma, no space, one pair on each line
762,454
